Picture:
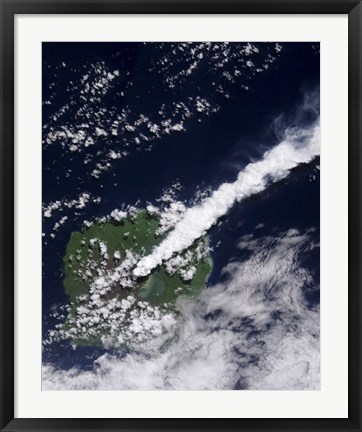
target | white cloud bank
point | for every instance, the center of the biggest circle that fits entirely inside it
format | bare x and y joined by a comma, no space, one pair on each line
299,146
253,331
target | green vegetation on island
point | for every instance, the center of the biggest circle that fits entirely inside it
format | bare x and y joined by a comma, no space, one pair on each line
109,305
83,261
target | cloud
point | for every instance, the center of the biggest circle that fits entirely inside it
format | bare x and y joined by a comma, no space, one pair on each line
254,330
298,146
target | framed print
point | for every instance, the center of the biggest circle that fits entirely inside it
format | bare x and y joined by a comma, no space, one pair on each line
180,195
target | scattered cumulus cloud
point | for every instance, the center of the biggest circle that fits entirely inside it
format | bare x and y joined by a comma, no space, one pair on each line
253,331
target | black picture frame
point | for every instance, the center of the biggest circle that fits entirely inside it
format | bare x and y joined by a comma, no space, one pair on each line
8,9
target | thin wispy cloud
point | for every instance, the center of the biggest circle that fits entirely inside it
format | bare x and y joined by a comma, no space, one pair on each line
254,331
298,146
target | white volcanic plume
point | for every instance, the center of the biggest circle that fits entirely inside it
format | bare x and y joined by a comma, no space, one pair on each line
298,146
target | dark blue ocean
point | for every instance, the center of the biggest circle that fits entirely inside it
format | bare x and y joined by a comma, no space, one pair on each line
206,155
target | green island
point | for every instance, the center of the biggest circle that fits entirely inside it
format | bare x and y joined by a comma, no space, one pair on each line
108,305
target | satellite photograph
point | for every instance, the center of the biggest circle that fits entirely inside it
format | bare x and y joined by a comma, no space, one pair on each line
180,216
